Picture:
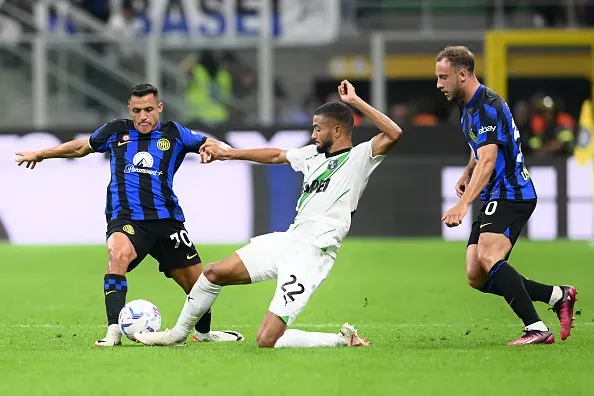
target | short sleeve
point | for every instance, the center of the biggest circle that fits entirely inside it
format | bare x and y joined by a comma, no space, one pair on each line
191,140
490,126
363,155
297,157
99,140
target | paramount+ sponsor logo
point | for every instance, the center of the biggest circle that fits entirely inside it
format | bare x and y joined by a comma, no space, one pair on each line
141,163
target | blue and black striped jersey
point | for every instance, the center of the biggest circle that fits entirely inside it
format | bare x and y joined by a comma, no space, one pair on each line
487,119
142,168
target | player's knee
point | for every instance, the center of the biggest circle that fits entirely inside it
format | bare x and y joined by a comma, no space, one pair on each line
475,283
119,258
487,259
213,274
475,275
266,340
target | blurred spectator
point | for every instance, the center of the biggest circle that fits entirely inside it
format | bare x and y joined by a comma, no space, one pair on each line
552,130
10,31
547,13
521,114
424,116
209,90
282,112
550,13
125,25
400,113
242,77
305,112
100,9
585,12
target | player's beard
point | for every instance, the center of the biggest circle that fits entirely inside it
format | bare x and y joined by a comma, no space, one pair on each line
325,147
456,93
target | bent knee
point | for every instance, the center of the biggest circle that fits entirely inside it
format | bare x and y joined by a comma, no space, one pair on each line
266,341
488,259
475,283
213,273
119,259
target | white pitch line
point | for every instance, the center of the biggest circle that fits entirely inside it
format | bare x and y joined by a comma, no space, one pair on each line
302,325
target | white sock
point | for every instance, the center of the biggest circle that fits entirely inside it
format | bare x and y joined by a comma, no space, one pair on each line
537,326
114,329
556,295
200,299
308,339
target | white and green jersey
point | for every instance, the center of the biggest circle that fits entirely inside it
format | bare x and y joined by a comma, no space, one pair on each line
332,187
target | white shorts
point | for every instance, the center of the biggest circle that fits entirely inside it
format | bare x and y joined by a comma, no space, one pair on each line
299,269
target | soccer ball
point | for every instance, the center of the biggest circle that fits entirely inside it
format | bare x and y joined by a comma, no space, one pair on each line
138,316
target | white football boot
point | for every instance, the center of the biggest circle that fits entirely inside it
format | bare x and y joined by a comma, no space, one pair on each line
218,336
113,337
162,338
349,334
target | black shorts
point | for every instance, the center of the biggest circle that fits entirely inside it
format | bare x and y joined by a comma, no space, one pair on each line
501,216
166,240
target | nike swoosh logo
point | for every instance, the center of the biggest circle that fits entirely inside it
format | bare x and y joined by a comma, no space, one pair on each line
111,291
192,256
122,143
486,224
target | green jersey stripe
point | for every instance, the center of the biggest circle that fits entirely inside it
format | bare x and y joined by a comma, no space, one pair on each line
337,199
325,175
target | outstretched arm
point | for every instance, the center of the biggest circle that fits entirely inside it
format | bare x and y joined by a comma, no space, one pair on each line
71,149
390,131
215,150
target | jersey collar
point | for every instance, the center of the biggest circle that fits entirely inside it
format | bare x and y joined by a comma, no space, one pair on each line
334,154
476,94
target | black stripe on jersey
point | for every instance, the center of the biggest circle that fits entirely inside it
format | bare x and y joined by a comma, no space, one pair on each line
120,154
109,203
145,183
164,168
502,189
510,160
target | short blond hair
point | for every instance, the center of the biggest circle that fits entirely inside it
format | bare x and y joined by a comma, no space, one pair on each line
459,57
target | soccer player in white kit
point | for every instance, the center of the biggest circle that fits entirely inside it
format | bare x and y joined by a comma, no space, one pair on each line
335,175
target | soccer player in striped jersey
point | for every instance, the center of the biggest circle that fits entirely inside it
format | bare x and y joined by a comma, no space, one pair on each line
497,173
142,211
335,176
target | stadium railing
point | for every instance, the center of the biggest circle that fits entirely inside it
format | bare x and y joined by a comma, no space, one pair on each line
54,66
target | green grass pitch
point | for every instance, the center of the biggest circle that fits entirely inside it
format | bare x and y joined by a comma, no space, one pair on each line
431,334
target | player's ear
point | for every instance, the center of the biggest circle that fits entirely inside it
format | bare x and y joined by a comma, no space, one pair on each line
337,131
463,74
160,107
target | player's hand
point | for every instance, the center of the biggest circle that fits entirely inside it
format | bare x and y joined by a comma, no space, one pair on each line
30,157
214,150
347,92
461,184
453,217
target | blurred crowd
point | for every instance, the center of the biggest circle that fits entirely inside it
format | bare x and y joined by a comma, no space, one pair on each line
545,13
220,87
546,128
